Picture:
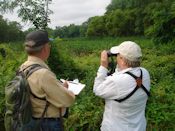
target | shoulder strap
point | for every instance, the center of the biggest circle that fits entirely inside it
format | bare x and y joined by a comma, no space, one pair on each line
139,82
139,85
28,71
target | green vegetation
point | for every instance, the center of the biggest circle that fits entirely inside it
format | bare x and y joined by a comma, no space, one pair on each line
142,21
10,31
79,58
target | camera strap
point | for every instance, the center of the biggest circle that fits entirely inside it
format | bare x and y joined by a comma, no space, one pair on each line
139,85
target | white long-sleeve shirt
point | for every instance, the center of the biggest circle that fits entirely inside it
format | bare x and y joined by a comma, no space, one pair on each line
128,115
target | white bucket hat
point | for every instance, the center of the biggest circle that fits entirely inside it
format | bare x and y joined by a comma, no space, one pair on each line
129,50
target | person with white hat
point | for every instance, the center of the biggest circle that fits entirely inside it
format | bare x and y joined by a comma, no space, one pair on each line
125,91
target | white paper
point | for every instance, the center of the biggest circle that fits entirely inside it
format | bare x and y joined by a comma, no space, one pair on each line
74,86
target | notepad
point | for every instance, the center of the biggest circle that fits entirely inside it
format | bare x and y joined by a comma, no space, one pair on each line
75,86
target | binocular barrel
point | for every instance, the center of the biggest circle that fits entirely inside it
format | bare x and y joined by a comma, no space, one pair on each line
110,54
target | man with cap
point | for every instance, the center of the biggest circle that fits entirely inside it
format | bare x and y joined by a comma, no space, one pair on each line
125,91
44,84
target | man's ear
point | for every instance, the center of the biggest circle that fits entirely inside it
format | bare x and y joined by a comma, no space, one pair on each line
123,63
43,49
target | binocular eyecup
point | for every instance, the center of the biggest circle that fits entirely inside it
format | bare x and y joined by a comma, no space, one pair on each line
110,54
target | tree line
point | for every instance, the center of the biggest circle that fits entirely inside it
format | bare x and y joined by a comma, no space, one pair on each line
10,30
150,18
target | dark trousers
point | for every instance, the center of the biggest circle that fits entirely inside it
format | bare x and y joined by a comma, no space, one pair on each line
47,124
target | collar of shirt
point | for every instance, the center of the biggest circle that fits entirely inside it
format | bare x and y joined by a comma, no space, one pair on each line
35,60
123,71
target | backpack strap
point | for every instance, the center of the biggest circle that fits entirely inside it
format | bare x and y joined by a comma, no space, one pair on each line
27,72
30,69
139,85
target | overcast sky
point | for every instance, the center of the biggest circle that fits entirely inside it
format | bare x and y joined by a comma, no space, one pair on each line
67,12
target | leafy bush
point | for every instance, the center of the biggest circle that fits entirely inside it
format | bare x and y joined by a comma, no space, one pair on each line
61,64
161,26
10,61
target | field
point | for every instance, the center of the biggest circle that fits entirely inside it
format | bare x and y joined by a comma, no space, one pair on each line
80,58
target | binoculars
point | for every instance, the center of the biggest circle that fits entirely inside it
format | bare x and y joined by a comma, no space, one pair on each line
111,64
110,54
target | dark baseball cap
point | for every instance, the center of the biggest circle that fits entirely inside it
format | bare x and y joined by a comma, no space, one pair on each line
36,38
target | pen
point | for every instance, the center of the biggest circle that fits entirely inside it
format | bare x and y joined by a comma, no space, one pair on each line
72,82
